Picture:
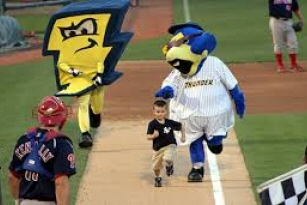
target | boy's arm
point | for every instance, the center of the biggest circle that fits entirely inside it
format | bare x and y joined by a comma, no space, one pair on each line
62,190
182,133
152,136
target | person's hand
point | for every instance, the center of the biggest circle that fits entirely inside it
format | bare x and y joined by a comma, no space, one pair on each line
166,92
240,108
156,134
74,72
98,79
239,99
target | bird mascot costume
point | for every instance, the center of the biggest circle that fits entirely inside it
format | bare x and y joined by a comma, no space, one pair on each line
85,40
201,89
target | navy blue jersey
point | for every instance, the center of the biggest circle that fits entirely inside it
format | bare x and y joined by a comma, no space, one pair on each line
166,132
56,157
282,8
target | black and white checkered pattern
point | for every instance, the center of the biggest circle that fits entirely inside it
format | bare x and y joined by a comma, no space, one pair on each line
287,189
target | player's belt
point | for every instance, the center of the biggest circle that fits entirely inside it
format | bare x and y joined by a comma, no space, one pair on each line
281,18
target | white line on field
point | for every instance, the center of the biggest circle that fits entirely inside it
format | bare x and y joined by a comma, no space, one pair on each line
186,10
215,179
214,169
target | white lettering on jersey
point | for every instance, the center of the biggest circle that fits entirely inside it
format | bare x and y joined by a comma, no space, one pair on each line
204,94
23,150
45,153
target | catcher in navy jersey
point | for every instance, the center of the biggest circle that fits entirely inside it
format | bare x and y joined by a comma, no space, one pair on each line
43,159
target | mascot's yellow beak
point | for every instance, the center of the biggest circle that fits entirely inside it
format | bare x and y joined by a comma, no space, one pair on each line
178,54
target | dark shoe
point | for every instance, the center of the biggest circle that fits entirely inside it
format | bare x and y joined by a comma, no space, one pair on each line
85,140
95,119
201,171
158,182
216,149
169,170
196,175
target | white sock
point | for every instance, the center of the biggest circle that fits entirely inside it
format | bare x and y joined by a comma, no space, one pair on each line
198,165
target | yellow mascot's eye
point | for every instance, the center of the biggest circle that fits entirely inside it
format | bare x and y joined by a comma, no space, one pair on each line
85,27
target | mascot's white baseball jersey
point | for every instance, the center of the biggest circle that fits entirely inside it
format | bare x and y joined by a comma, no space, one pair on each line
202,90
203,95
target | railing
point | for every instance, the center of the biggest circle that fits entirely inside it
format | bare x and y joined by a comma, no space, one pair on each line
1,7
22,5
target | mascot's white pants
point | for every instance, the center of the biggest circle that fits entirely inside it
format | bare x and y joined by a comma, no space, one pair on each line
195,126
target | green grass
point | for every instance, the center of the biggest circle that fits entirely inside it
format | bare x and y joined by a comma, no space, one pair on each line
146,50
272,144
26,22
241,28
22,88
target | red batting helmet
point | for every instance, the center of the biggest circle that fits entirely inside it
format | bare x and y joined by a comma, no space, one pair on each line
52,111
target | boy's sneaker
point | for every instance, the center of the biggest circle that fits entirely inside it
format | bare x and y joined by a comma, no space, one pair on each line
158,182
169,170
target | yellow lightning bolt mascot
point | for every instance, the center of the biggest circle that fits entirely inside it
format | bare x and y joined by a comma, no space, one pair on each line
86,43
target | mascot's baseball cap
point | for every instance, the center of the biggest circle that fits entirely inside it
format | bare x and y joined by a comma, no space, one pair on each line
52,111
174,28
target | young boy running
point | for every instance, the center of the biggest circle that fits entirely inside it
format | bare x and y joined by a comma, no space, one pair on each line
161,131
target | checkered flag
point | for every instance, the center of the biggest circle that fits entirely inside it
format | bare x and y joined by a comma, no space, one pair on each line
287,189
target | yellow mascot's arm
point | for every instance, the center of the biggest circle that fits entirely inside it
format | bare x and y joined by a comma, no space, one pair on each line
64,67
98,78
100,68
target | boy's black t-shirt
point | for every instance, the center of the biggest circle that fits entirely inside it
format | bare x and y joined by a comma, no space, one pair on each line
166,132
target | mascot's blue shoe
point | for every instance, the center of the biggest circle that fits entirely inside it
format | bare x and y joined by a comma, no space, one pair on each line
196,175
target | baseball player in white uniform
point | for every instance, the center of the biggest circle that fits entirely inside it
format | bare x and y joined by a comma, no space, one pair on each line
202,100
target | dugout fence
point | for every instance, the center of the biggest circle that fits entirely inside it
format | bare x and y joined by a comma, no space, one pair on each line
12,36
